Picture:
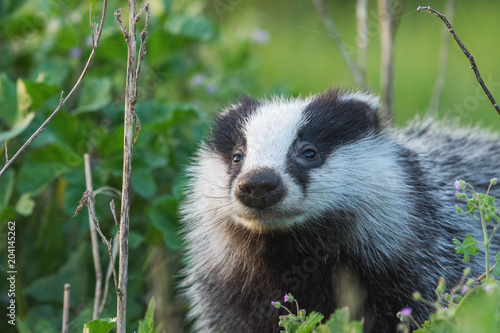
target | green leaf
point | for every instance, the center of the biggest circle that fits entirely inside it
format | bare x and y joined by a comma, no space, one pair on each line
143,182
194,27
135,239
339,322
467,248
147,325
25,205
39,92
163,216
50,287
100,325
95,95
312,320
8,100
33,176
18,128
496,269
7,187
23,99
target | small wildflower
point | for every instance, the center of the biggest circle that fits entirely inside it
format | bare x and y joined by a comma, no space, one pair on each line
406,312
260,36
459,184
488,288
75,52
464,289
277,305
197,80
286,298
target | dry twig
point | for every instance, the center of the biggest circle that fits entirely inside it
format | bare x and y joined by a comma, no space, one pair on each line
65,320
133,71
443,60
93,241
361,18
469,56
62,101
332,29
111,270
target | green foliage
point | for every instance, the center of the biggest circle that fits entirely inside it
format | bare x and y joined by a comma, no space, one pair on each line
300,323
147,325
99,326
44,48
467,248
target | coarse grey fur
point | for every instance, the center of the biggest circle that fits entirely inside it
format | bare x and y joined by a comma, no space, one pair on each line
366,224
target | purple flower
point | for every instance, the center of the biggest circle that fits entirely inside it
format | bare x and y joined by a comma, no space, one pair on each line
464,289
406,312
277,305
75,52
260,36
458,184
286,298
488,288
197,80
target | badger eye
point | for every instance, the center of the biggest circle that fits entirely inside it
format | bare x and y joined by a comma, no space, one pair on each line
237,158
309,154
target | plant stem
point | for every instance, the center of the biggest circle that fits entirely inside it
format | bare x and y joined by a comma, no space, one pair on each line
486,244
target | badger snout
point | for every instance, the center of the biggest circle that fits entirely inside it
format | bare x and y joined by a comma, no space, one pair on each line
260,189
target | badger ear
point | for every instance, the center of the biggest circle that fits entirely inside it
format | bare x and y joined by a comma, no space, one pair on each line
370,106
372,101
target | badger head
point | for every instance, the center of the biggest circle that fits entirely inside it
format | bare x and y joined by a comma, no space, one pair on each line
274,164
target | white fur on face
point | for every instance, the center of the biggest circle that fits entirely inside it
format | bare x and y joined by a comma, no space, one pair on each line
269,133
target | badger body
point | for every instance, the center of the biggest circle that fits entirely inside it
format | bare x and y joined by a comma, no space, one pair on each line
315,197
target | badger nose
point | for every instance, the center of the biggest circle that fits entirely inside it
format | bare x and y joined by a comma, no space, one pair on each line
260,189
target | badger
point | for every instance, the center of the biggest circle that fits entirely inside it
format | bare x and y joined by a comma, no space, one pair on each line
320,198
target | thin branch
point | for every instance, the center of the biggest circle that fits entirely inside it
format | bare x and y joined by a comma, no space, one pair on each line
62,101
361,17
128,140
112,207
443,61
90,199
118,17
6,153
387,54
332,29
93,240
111,266
397,12
483,276
142,53
469,56
65,320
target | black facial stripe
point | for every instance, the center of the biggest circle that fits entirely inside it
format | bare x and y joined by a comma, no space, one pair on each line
227,133
330,124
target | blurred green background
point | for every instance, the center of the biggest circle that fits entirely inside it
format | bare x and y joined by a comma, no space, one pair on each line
201,56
